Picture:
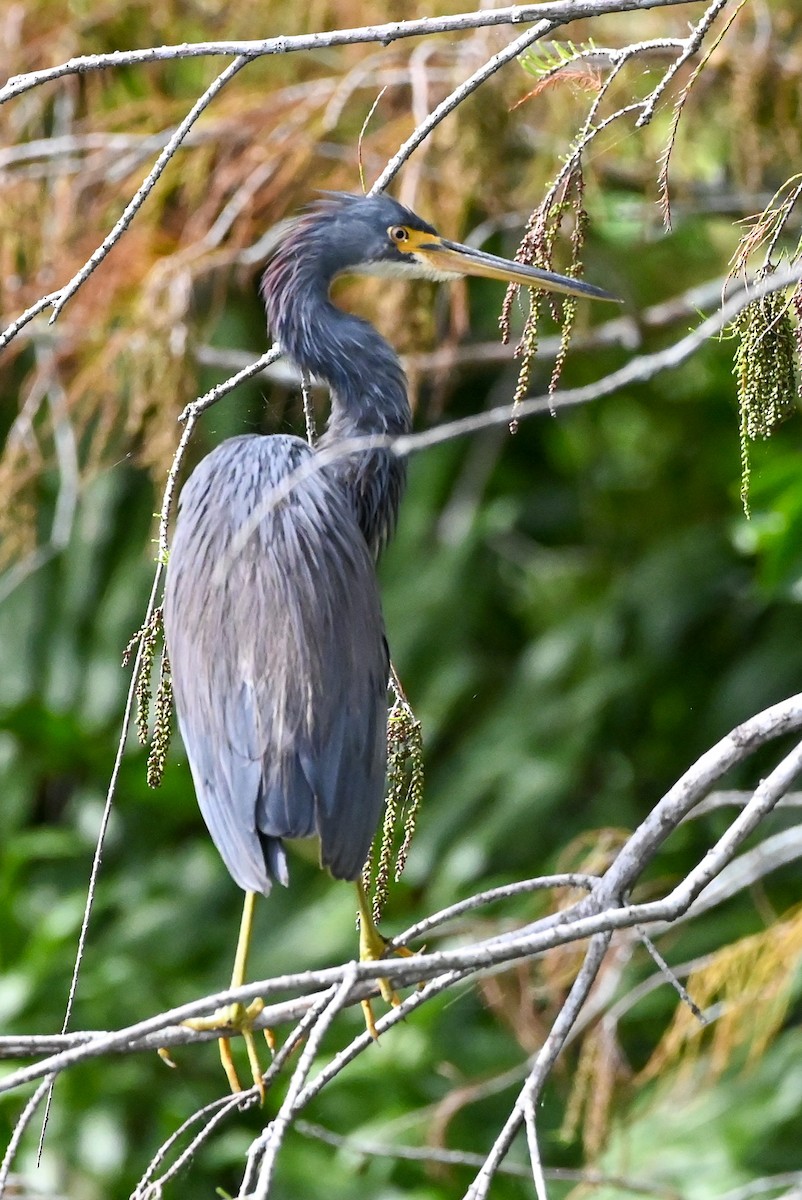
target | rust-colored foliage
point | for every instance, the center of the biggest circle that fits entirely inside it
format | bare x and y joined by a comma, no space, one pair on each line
123,355
748,984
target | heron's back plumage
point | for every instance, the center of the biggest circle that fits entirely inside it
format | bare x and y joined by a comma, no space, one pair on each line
279,662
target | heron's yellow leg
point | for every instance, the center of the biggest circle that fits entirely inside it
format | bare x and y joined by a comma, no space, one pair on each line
372,948
238,1017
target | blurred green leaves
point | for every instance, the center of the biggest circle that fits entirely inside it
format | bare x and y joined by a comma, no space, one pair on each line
576,613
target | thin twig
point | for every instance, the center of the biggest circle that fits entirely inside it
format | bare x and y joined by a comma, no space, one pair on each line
733,798
770,855
105,817
456,98
438,1155
23,1121
692,44
59,298
150,1188
359,1044
268,1150
309,409
533,1146
787,207
622,874
670,975
544,1060
645,988
196,407
11,331
146,187
522,887
759,1187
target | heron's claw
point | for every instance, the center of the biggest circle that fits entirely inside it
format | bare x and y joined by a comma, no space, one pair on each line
167,1058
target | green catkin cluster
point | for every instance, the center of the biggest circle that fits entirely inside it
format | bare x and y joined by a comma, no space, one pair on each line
766,373
574,270
539,251
149,635
402,804
160,742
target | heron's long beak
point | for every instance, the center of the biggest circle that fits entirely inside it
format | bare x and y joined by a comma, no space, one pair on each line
456,259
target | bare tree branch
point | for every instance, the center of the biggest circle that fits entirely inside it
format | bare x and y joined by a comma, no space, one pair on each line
22,1124
59,299
459,94
595,915
691,46
465,1158
262,1155
544,1061
562,12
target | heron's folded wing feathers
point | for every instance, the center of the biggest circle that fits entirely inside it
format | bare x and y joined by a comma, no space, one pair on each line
279,662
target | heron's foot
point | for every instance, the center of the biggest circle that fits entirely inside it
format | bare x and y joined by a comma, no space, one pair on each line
237,1018
372,948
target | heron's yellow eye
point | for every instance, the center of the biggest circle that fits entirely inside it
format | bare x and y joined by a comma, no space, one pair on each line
398,234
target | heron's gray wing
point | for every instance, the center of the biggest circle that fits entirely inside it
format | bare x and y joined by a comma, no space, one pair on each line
279,663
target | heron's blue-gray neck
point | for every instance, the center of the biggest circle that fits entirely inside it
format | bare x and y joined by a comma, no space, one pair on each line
367,383
368,386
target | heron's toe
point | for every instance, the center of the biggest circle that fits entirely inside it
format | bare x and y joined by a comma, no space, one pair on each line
239,1019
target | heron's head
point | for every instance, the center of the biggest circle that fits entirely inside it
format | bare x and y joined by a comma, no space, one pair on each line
375,235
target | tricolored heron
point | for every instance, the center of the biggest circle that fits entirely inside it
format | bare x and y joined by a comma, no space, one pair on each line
271,611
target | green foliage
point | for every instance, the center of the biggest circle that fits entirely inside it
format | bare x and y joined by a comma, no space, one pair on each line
715,1137
546,57
576,613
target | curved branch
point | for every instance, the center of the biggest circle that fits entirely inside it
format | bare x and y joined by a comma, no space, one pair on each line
24,1120
455,99
59,298
637,370
561,11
